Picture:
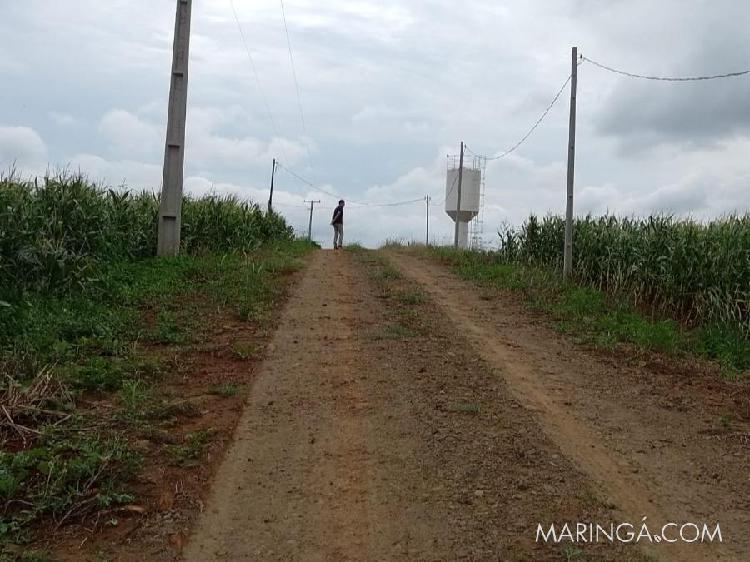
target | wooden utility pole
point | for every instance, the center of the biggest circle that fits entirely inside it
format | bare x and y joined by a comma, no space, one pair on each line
427,240
568,254
309,227
270,197
170,208
458,200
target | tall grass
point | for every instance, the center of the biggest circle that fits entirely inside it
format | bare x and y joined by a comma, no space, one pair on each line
54,235
696,272
85,312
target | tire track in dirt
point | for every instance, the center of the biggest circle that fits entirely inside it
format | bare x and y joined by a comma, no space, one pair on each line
364,438
547,379
303,480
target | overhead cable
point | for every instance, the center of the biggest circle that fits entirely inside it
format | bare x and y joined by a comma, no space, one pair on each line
531,130
255,73
338,196
667,78
294,69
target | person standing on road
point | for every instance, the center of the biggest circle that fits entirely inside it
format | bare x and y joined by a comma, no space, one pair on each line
338,226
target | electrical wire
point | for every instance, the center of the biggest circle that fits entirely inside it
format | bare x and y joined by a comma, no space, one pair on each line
294,69
289,205
309,183
397,203
351,201
531,130
666,78
257,77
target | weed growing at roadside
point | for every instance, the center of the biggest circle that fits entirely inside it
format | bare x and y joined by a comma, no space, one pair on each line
74,355
471,409
226,390
65,475
191,449
411,297
244,351
394,332
602,319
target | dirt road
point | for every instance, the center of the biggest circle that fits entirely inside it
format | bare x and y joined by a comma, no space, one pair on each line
394,422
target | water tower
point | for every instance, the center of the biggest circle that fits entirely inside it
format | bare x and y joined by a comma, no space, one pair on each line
471,191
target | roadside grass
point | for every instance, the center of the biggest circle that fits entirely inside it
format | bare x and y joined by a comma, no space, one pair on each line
244,350
411,297
85,370
190,450
471,409
393,332
392,285
27,556
597,318
394,243
355,247
66,474
225,390
388,272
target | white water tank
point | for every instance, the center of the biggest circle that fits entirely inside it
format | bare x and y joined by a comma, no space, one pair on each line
471,187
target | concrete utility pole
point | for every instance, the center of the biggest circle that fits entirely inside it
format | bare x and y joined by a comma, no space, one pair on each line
170,208
270,197
309,227
427,240
568,254
458,201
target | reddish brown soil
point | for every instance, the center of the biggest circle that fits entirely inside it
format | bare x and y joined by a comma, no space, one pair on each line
648,433
366,442
171,492
387,427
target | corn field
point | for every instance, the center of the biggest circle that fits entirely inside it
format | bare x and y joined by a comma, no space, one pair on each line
54,235
697,272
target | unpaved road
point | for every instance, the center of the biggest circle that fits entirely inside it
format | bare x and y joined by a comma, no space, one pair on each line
385,425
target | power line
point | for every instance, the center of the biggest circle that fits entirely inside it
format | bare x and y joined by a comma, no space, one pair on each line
531,130
397,203
351,201
310,184
255,73
294,69
666,78
290,205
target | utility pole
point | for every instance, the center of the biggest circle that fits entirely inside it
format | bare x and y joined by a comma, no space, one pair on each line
568,254
170,208
458,201
270,197
427,240
309,227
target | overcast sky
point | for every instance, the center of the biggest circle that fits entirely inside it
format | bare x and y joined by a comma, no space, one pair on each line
388,88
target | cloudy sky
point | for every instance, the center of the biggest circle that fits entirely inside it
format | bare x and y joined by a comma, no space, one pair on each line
388,89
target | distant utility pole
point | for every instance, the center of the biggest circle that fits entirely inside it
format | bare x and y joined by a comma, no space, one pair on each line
309,227
458,201
568,254
170,208
427,240
270,197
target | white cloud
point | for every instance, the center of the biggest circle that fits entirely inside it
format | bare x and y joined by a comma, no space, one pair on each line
22,145
388,89
133,174
130,136
62,119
